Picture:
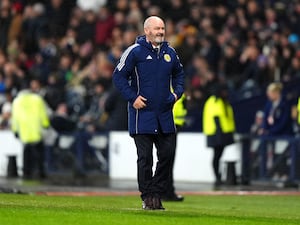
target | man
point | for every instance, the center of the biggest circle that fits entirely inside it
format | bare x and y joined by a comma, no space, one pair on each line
179,113
60,120
29,116
144,76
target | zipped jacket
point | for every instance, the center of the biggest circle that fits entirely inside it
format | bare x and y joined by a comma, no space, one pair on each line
298,109
215,107
29,117
281,115
180,111
143,70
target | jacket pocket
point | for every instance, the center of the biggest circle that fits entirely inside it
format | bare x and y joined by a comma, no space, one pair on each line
168,105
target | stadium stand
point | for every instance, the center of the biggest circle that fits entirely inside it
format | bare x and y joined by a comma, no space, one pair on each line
71,47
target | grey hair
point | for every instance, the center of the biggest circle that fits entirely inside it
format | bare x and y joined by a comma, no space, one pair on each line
148,20
39,8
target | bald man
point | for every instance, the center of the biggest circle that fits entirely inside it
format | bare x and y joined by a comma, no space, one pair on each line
144,75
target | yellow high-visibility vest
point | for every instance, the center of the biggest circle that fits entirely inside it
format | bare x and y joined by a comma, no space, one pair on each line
179,111
29,117
298,107
216,107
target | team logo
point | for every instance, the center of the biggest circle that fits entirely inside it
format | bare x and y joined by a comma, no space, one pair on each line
167,57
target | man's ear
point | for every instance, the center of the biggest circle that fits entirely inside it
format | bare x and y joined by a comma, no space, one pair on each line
146,30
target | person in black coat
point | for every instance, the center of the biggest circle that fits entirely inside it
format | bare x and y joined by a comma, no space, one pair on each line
60,120
115,107
5,20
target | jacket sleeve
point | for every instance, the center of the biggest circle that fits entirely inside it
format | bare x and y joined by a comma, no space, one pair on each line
178,77
267,108
122,73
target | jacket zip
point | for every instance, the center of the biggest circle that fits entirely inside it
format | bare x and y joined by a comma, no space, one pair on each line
158,51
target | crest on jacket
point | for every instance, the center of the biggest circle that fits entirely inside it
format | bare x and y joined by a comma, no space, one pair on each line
167,57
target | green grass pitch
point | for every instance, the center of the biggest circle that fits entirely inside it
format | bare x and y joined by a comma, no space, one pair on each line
123,210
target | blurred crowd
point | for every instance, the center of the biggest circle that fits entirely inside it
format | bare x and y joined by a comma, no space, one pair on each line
66,50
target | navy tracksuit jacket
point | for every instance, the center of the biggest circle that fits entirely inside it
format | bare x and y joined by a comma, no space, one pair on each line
282,118
144,71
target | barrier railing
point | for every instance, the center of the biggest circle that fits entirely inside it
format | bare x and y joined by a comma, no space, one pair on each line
271,158
78,152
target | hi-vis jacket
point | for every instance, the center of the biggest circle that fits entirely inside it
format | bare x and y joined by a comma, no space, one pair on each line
179,111
29,116
298,107
216,107
144,71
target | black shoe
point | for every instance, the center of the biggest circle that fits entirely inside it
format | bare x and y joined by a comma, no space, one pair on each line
157,204
148,203
173,198
218,183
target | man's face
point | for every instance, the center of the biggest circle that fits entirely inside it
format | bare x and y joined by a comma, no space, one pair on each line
273,95
155,32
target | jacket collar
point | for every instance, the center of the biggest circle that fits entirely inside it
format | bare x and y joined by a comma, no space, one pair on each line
142,41
24,91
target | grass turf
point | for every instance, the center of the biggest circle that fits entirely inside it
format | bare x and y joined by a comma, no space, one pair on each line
46,210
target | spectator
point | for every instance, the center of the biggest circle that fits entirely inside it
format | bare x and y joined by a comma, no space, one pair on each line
14,32
293,71
247,44
2,84
258,122
115,108
5,117
5,20
189,45
277,113
91,4
35,25
6,105
60,120
277,122
92,117
249,59
58,14
40,69
211,51
86,27
295,18
104,26
64,73
231,69
176,10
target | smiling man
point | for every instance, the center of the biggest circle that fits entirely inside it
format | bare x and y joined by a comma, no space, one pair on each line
145,74
154,28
